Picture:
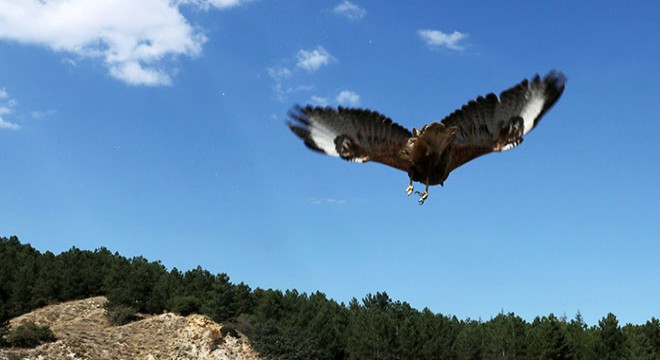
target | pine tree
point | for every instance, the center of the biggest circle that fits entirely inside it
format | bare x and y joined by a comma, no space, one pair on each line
652,334
470,341
325,324
198,283
48,282
643,341
548,339
506,337
4,323
611,338
580,339
20,298
373,333
220,304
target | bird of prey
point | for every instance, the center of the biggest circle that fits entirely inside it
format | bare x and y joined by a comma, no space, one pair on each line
489,123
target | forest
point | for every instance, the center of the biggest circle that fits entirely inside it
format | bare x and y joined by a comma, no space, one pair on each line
292,325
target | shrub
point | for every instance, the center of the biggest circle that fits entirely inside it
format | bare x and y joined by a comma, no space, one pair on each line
29,335
121,314
185,305
245,324
4,329
229,329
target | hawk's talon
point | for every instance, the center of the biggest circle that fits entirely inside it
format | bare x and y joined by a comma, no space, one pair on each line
422,196
409,189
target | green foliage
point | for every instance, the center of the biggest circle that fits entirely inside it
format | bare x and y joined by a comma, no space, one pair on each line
548,339
4,330
611,344
581,338
643,341
471,340
121,314
185,305
507,337
29,335
133,283
281,342
245,324
293,325
229,329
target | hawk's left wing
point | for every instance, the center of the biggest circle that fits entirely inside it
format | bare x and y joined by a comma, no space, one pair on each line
494,123
353,134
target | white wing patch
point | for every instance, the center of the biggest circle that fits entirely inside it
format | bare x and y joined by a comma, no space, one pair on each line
531,111
323,137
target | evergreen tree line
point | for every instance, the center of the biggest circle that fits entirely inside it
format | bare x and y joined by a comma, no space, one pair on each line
293,325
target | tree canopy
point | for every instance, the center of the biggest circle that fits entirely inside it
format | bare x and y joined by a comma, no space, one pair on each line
292,325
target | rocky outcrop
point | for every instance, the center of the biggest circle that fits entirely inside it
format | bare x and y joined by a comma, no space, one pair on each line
83,332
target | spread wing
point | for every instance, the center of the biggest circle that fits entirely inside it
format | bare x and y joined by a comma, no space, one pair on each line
494,123
352,134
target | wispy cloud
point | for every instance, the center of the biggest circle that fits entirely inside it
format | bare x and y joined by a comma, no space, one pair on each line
69,62
218,4
7,125
319,100
347,97
436,39
6,105
286,74
282,91
280,73
350,10
38,114
312,60
321,201
132,38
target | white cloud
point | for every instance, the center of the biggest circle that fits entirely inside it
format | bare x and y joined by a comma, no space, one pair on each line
350,10
7,105
319,100
285,76
206,4
37,114
347,97
5,109
131,37
133,73
69,62
278,74
321,201
312,60
282,92
436,38
7,125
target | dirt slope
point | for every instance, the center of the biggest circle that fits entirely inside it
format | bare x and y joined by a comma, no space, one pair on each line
83,332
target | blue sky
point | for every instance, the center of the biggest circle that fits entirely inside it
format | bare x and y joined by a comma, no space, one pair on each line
156,128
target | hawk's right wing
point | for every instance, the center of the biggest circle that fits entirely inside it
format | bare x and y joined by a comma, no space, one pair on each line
353,134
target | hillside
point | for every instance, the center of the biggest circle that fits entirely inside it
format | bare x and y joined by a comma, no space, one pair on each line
83,332
280,324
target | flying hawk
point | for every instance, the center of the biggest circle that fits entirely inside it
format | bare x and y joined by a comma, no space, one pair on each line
487,124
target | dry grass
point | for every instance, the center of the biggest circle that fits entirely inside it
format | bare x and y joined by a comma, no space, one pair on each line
83,332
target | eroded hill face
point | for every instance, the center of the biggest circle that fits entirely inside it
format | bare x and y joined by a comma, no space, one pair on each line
83,332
